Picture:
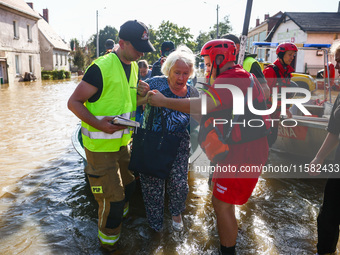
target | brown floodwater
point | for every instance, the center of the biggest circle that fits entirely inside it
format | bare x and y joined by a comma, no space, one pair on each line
46,206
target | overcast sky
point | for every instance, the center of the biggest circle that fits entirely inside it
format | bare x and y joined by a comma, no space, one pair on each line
77,18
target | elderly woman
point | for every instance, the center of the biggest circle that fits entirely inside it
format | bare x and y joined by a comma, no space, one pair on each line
177,69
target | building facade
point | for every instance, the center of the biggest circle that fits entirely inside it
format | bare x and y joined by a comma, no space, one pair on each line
54,52
260,32
19,41
306,28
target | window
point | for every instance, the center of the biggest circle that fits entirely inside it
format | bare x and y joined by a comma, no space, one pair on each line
29,33
251,39
56,59
263,36
15,29
30,63
17,65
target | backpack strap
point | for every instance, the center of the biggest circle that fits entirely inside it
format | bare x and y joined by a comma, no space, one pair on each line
230,129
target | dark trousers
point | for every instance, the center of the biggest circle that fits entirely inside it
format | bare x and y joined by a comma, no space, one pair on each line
329,218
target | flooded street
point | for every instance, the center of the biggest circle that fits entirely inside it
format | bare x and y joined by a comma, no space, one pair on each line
46,206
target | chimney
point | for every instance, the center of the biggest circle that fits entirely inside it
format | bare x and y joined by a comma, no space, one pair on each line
257,22
30,5
45,14
339,7
266,16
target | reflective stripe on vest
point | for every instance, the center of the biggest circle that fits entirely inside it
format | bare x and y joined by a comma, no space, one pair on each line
248,62
105,239
118,98
102,135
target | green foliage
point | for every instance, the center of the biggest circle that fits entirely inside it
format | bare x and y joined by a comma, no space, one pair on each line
46,76
55,75
201,39
167,31
224,27
67,74
79,59
74,44
107,33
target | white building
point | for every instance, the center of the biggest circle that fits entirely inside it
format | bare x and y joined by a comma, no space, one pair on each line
54,51
306,28
19,41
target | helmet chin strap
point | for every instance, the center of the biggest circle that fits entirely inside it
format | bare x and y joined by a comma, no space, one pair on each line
284,64
217,71
212,67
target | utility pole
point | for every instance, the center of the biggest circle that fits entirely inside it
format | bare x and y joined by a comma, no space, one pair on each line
217,36
244,36
97,35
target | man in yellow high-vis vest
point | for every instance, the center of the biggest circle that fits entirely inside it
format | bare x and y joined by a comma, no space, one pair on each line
109,89
250,64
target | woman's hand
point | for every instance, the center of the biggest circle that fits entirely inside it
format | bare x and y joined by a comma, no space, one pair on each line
156,98
143,88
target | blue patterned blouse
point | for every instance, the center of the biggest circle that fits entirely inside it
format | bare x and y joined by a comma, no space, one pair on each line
176,122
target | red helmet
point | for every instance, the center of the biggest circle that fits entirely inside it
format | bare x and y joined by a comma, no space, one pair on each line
217,47
283,47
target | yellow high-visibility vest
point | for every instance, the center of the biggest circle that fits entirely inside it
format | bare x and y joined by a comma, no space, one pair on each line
118,97
248,62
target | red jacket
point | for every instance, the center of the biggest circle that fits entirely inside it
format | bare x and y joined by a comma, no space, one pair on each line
273,81
271,76
258,149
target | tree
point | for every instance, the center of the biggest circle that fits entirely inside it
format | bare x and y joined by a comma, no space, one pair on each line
201,39
224,27
79,59
74,44
107,33
168,31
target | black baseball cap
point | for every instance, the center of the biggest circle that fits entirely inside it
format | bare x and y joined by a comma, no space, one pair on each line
167,47
137,34
109,44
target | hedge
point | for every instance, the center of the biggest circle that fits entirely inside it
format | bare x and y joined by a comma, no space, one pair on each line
55,75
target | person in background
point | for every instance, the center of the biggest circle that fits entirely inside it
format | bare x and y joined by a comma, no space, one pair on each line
177,68
329,214
166,48
279,75
144,73
144,70
250,64
109,89
247,147
109,45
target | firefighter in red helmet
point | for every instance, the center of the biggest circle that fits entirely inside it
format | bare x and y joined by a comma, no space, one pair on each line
244,146
279,75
